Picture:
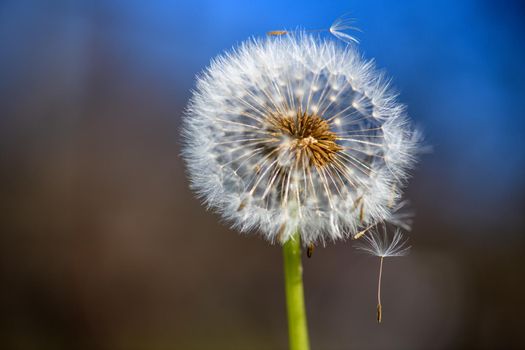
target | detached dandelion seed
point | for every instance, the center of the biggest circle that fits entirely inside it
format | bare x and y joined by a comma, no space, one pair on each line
378,243
341,25
338,29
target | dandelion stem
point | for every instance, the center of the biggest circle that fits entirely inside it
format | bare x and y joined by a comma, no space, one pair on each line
379,307
293,277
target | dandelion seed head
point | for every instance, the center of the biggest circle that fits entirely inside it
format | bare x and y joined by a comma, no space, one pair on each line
295,132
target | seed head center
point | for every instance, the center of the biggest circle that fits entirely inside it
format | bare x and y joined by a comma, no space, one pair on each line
306,141
307,135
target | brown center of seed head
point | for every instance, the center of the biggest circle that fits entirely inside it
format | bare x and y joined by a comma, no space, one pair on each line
310,136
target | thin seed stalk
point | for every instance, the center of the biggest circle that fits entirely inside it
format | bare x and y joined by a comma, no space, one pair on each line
293,277
379,306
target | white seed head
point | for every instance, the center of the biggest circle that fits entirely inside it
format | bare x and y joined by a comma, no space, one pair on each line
295,133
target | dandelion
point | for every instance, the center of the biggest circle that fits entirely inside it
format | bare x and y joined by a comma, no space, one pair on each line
297,134
378,243
300,139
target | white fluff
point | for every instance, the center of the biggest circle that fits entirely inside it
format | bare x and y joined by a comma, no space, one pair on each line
241,168
342,24
378,243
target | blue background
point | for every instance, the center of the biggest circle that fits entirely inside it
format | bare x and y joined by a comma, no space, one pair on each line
104,247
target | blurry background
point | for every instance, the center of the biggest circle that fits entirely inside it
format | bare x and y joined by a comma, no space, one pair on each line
102,245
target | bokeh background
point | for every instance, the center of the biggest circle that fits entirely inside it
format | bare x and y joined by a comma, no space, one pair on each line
102,245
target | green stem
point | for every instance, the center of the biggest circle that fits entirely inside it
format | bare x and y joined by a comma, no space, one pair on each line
293,277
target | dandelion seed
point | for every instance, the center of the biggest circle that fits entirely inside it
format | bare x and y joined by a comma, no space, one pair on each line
310,250
338,29
277,32
341,25
362,232
378,243
274,143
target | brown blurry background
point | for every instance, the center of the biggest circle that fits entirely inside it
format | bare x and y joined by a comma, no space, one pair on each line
102,245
